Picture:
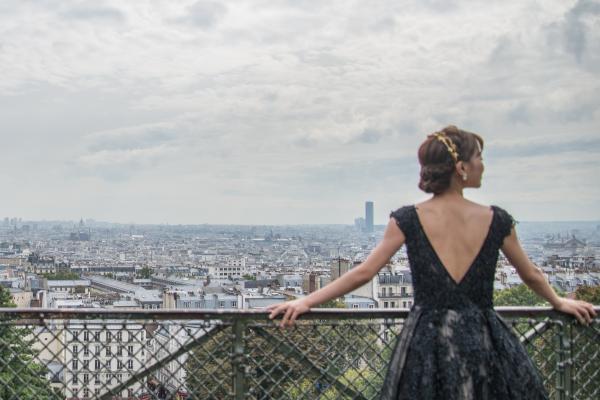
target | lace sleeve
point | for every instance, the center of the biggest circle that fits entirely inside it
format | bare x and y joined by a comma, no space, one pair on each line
505,223
403,220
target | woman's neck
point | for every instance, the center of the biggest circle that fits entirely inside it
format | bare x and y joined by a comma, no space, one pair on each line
453,192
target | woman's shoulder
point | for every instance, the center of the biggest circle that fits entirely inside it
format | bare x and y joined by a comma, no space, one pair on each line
404,217
505,221
501,212
402,212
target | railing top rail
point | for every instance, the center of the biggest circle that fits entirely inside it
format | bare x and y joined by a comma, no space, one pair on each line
177,314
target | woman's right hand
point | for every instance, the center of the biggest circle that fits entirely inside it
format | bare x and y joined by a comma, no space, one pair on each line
290,310
582,310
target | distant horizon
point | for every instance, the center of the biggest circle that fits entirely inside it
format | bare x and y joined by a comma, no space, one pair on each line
381,225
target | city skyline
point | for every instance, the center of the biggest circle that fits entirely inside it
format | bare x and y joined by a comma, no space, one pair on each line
256,113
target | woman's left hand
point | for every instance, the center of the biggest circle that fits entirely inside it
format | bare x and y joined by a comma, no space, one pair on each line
582,310
290,310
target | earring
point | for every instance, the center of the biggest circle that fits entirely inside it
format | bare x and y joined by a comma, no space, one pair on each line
464,177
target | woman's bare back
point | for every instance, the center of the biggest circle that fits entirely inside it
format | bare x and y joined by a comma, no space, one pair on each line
456,232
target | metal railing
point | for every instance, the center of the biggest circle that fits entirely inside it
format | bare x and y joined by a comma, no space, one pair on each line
227,354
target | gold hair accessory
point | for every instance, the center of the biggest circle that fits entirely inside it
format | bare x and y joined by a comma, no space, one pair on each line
441,136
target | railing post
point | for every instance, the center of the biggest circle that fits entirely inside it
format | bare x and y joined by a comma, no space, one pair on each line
237,359
564,361
568,349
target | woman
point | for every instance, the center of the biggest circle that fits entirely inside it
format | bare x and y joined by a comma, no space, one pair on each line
453,344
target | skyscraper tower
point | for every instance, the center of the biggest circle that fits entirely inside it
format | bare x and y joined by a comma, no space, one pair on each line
369,216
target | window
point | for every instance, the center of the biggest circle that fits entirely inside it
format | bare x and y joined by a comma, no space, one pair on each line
97,391
96,336
130,364
97,350
74,365
393,304
86,350
108,351
86,378
130,350
86,364
385,304
119,364
75,350
221,304
383,292
130,336
404,304
119,336
142,333
75,336
120,352
86,336
96,365
86,392
75,379
234,304
371,305
108,337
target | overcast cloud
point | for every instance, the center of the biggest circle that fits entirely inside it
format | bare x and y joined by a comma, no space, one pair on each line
263,112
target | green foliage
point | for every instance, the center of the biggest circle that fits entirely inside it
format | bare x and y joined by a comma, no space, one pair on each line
61,276
334,303
519,295
208,368
145,273
248,277
21,377
365,381
5,298
591,294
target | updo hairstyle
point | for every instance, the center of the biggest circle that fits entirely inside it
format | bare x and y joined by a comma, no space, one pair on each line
437,164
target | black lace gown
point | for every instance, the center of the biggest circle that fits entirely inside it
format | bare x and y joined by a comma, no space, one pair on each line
453,344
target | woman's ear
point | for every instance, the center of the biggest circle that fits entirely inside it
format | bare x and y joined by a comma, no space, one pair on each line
460,168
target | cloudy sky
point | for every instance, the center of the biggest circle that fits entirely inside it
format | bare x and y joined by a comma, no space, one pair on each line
285,112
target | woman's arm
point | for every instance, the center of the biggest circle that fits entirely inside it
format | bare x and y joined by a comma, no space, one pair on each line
393,239
533,277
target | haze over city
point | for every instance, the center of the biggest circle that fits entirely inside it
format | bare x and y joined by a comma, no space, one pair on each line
256,112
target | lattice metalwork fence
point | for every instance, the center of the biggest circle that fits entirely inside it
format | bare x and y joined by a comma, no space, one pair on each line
170,354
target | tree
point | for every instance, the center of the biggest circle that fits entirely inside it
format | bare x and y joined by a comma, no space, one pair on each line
519,295
333,303
21,377
591,294
145,273
61,276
